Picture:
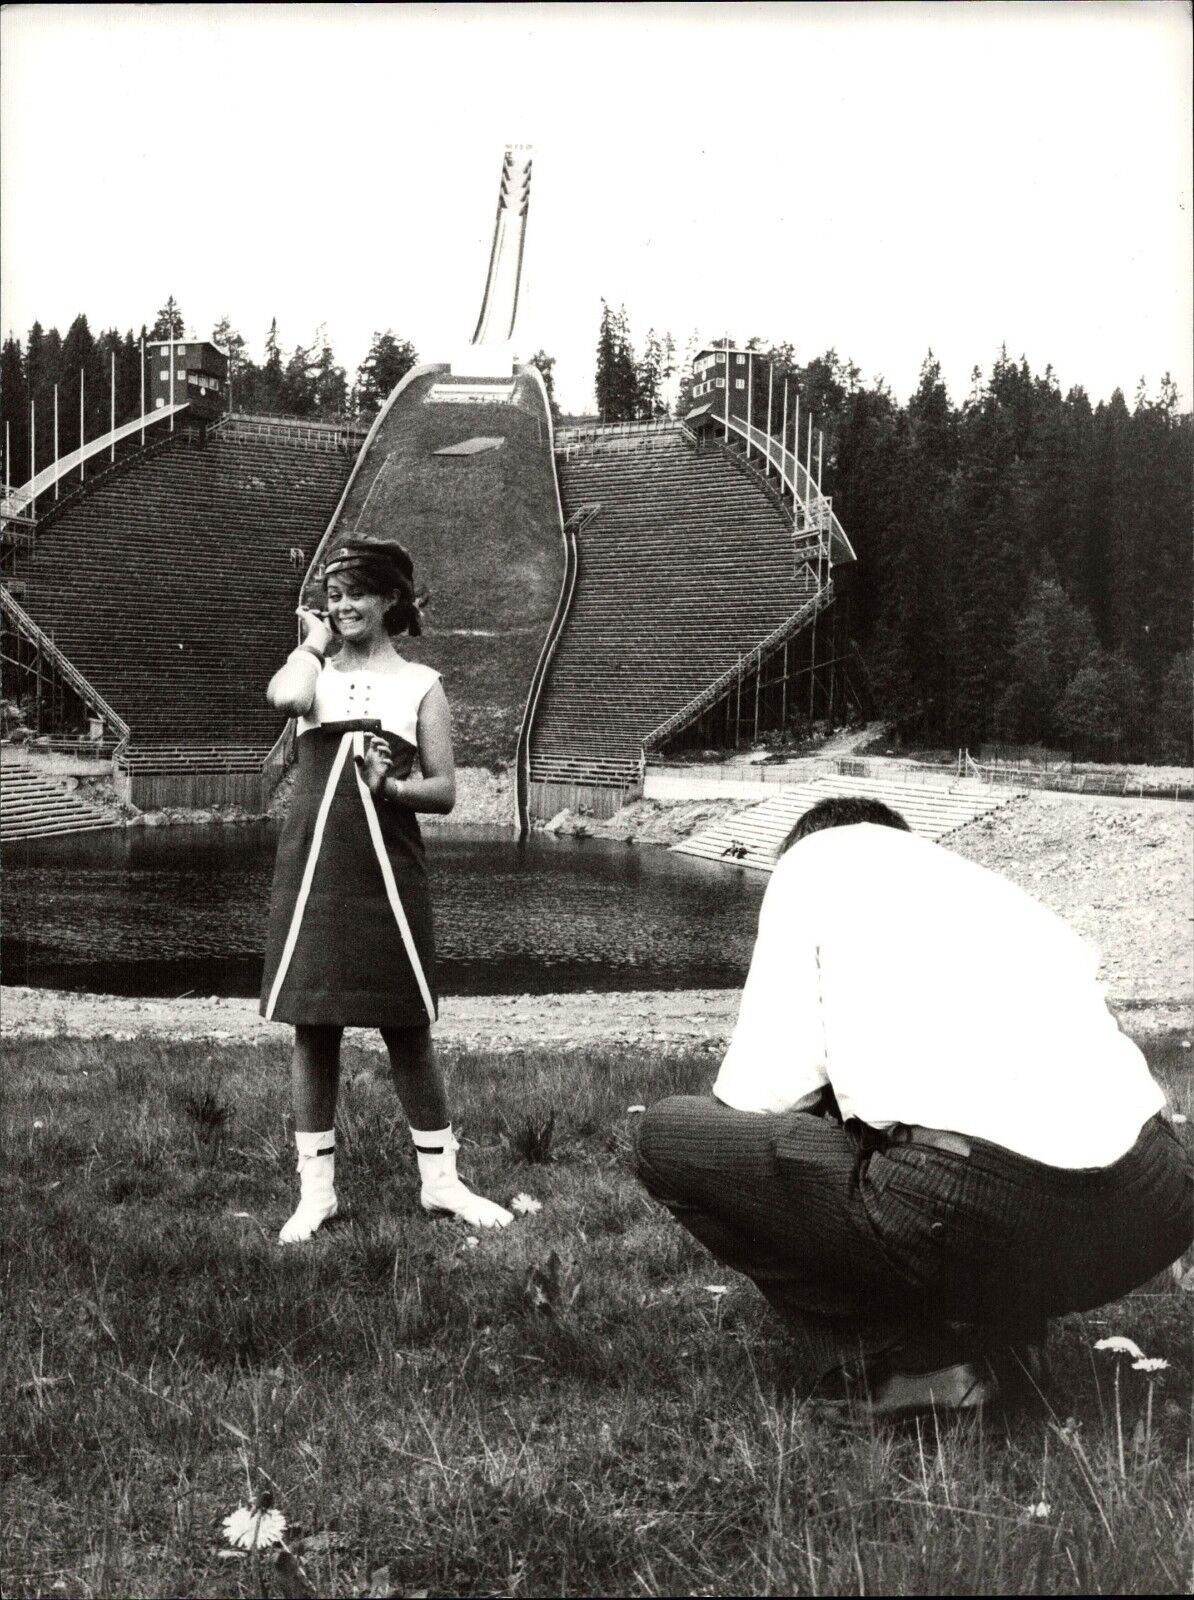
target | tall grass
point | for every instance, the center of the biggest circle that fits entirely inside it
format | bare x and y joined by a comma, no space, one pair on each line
422,1402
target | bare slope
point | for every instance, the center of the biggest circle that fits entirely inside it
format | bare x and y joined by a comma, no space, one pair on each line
484,532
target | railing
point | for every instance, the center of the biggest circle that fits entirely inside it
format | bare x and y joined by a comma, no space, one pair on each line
293,430
37,636
18,500
814,510
712,692
522,765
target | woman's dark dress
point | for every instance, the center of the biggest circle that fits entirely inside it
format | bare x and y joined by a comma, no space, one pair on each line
350,937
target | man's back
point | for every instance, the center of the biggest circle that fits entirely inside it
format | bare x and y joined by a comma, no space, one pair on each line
927,990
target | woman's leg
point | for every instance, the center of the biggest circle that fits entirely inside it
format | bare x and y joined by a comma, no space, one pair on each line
314,1081
315,1076
420,1087
418,1081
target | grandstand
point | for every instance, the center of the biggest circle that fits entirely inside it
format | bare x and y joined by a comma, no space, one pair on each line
752,838
168,583
688,582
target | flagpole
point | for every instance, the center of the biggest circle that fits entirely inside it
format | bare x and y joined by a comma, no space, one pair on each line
55,437
112,409
142,391
82,429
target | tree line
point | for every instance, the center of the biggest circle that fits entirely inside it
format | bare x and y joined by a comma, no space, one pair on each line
305,381
1023,571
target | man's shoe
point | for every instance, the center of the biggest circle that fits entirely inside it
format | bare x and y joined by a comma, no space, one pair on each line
963,1387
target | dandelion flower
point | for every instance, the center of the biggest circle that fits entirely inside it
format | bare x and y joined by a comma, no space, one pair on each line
526,1205
632,1110
1040,1510
1150,1364
1121,1346
246,1529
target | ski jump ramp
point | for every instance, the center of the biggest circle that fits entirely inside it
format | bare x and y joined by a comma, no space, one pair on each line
490,354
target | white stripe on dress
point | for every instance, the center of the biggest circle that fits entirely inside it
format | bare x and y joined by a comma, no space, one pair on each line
300,904
387,873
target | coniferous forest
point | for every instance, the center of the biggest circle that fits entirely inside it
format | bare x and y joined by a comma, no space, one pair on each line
1023,571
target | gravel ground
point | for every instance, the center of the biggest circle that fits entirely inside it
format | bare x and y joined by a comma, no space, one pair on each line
1120,871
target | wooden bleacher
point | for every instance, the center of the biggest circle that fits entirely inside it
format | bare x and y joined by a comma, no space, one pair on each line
752,837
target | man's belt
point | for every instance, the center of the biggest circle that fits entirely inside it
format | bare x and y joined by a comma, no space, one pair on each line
940,1138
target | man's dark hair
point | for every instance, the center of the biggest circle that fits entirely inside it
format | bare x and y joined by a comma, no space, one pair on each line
843,811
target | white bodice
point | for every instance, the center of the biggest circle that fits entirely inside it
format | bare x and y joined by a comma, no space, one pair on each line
391,698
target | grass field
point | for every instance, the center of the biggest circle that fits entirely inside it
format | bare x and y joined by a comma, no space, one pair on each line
415,1404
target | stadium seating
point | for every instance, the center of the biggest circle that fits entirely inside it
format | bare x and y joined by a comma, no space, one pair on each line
171,585
684,569
752,838
34,805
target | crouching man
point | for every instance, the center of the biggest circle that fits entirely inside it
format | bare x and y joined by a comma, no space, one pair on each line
928,1134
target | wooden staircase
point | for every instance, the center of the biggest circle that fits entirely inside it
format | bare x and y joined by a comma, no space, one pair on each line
35,806
753,837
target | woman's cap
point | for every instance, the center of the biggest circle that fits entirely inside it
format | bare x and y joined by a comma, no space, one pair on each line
382,560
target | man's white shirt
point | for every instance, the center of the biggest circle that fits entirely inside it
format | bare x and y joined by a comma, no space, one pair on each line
924,989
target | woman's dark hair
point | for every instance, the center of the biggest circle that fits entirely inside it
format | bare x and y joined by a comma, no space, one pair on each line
843,811
381,567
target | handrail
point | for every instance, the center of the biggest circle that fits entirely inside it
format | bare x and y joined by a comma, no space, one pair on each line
85,690
712,692
818,508
18,499
522,767
577,434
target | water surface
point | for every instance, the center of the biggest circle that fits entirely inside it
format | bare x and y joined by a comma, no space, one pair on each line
161,911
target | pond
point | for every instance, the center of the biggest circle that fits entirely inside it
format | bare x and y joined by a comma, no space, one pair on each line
177,910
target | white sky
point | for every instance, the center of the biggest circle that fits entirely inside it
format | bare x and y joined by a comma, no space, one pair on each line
879,178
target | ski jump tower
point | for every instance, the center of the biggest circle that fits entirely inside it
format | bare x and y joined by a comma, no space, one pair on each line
491,353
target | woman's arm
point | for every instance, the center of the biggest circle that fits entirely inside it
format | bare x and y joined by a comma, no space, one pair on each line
292,687
435,790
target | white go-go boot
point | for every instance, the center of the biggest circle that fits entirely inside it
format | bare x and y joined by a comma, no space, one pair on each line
317,1186
442,1190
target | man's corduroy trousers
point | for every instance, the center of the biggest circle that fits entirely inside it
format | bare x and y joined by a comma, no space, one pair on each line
885,1251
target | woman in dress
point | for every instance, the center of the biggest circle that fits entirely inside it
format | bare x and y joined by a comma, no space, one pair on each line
350,939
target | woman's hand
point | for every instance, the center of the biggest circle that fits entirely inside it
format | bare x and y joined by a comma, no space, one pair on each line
316,631
375,765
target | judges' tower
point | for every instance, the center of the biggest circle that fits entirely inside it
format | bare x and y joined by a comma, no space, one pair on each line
491,353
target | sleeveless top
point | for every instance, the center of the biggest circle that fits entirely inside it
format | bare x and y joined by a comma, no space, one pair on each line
391,698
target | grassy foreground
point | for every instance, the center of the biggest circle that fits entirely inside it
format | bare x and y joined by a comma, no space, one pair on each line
468,1414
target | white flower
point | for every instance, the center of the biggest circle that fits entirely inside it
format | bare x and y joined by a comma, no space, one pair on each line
633,1110
1179,1117
245,1529
716,1289
38,1122
471,1242
526,1205
1040,1510
1121,1346
1150,1364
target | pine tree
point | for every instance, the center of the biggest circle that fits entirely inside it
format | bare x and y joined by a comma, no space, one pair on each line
168,324
545,365
607,361
388,361
227,337
14,411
